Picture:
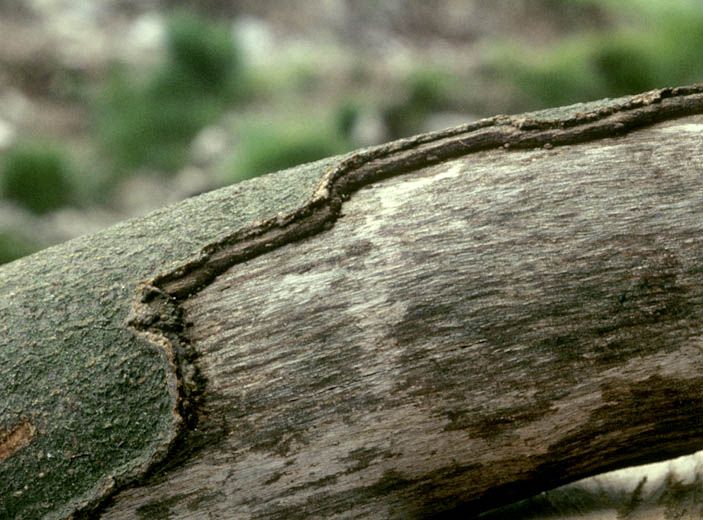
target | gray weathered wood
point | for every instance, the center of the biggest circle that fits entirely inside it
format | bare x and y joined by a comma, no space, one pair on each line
478,329
440,325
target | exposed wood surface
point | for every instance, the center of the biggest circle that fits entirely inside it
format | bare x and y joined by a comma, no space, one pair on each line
434,326
465,334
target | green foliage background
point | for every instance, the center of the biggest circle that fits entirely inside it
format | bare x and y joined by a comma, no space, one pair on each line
149,122
656,43
37,176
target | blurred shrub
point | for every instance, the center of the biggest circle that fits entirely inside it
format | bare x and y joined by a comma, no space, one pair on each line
657,45
424,91
150,123
204,52
627,64
346,117
265,149
553,78
13,247
664,51
37,176
152,126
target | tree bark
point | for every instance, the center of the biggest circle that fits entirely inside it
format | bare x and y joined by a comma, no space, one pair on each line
436,326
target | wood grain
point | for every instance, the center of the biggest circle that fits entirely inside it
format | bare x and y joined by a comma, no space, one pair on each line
465,334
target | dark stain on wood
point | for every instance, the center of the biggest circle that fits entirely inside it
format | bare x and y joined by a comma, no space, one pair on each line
634,408
203,498
408,498
362,458
161,509
274,478
501,420
210,433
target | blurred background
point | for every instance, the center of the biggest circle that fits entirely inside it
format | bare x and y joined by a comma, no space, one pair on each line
112,108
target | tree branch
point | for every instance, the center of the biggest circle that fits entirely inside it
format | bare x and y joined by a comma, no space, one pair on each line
444,323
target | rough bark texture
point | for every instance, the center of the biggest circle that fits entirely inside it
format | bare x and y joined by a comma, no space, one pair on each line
442,324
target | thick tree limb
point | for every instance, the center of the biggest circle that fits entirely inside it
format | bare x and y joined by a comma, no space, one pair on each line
444,323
